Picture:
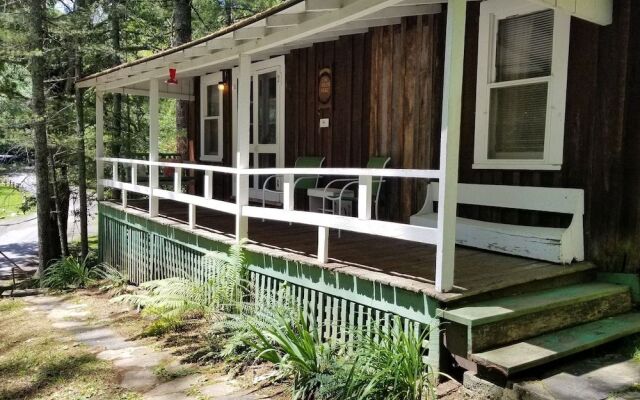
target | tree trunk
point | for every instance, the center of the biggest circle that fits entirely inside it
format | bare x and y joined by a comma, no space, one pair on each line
37,67
183,31
61,217
80,149
117,97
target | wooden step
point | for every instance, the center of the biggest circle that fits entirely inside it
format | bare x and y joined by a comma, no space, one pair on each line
552,346
492,323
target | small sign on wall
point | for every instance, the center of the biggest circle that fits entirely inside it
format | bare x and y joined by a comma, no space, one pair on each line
325,87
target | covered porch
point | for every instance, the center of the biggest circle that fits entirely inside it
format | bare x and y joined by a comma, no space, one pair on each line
427,258
394,262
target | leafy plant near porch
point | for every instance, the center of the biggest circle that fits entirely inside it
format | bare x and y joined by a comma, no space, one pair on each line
69,273
170,301
387,365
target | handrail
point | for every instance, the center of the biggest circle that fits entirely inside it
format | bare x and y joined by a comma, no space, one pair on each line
242,211
373,172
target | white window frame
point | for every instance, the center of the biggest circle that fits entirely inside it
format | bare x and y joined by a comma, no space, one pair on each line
205,81
491,12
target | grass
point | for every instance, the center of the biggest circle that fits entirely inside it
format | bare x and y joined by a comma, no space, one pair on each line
37,362
11,200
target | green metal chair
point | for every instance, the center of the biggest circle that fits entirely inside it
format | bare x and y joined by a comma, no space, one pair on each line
374,163
300,181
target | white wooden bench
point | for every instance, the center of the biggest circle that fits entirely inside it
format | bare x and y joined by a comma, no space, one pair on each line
558,245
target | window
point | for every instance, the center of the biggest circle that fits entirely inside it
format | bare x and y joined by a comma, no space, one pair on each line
523,52
211,118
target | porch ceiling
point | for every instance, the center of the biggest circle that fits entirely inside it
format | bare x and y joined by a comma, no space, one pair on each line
291,25
298,24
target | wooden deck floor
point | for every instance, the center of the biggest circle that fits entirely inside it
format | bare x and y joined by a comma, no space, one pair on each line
397,262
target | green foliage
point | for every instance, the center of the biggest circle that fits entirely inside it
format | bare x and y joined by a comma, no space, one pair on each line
299,353
387,365
390,367
172,300
69,273
12,201
113,281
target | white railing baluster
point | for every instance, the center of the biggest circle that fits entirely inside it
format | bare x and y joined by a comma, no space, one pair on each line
177,180
208,184
134,174
114,171
323,244
192,216
364,197
288,192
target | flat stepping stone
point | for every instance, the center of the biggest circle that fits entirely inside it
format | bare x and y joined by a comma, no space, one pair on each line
174,388
552,346
503,308
139,380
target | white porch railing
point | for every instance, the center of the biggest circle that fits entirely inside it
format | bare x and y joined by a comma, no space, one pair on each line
362,223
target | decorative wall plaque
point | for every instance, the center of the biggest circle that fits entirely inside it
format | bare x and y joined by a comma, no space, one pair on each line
325,88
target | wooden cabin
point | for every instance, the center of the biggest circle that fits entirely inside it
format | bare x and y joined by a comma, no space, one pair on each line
446,164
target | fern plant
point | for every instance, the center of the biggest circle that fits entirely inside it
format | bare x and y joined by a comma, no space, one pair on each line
230,332
69,273
173,299
113,281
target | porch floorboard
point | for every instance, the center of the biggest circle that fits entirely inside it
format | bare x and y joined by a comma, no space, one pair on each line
400,263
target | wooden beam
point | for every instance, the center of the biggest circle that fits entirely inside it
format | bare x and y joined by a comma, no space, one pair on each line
405,11
450,144
154,128
242,145
596,11
145,93
322,5
222,43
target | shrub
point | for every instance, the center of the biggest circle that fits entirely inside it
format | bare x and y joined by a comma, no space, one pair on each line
68,273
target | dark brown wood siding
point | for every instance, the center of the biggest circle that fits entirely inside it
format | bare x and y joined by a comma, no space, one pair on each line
406,103
387,88
345,141
601,130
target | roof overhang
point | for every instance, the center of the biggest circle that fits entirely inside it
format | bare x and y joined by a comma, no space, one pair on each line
291,25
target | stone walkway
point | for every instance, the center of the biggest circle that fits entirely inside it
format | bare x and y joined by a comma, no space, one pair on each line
135,362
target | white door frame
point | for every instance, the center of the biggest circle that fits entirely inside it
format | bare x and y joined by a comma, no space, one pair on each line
277,65
205,81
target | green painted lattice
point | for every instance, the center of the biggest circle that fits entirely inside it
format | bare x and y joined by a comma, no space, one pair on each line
334,303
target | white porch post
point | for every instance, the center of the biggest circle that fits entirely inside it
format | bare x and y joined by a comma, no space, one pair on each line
99,144
154,127
242,146
450,142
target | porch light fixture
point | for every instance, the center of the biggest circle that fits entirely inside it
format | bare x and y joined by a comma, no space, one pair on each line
172,77
221,86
